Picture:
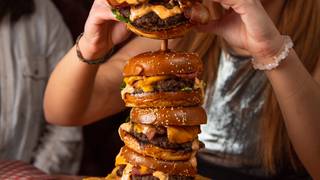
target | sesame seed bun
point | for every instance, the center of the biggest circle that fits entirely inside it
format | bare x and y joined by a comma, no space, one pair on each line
164,99
180,116
174,32
163,63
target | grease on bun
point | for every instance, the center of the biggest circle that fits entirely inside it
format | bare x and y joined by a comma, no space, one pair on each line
164,63
180,116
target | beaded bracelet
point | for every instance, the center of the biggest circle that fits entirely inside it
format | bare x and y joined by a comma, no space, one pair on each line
283,54
93,61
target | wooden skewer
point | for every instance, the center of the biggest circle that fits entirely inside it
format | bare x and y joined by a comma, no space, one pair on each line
164,45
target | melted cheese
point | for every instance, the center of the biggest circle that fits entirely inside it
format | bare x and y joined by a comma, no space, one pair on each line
182,134
128,89
140,82
120,160
160,175
147,84
143,170
160,10
130,80
199,84
141,128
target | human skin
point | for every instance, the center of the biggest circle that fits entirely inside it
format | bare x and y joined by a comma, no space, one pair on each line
79,94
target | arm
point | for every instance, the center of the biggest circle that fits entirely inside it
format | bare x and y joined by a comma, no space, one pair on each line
78,93
298,93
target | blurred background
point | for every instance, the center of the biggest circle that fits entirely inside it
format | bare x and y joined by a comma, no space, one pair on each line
101,139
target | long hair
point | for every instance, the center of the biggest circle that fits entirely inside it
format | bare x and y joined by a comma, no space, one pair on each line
302,24
15,9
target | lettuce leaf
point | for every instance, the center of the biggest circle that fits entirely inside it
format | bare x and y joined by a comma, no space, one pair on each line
186,89
122,86
118,15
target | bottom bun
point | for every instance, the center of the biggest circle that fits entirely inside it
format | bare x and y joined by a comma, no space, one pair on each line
154,151
171,33
164,99
180,168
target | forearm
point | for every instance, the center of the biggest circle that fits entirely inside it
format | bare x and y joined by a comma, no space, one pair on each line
70,85
299,97
76,96
79,94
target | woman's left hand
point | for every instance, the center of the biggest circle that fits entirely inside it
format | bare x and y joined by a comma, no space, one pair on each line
247,26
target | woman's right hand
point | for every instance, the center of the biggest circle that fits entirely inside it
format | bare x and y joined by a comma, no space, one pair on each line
102,31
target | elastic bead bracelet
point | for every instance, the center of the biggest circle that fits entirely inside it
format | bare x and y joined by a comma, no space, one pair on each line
282,55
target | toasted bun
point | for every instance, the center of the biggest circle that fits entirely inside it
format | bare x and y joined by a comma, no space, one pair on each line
171,33
180,116
163,63
154,151
182,168
164,99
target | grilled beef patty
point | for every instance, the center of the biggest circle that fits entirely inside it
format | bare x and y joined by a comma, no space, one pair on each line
152,22
170,85
173,85
162,141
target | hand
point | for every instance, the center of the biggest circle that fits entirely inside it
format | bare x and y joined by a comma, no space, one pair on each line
246,25
101,31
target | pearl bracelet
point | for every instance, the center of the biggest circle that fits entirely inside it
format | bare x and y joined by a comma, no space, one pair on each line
283,54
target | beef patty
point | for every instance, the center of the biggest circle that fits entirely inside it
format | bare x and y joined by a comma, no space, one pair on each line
152,22
170,85
161,140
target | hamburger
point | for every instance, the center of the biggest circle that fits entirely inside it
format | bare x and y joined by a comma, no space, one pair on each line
134,166
169,137
159,19
163,79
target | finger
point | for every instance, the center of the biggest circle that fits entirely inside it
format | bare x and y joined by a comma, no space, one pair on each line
239,6
230,2
198,14
102,9
213,26
120,28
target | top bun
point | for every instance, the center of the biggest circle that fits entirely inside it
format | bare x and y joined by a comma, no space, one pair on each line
163,63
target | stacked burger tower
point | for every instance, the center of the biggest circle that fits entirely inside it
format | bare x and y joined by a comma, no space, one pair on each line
165,92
